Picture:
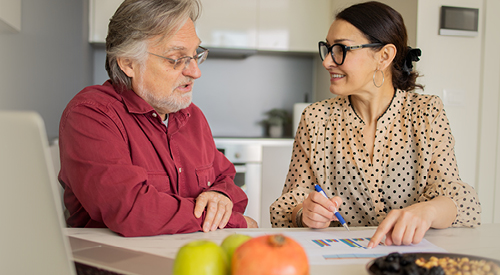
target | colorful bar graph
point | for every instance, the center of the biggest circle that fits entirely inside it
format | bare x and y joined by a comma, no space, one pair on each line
353,242
321,243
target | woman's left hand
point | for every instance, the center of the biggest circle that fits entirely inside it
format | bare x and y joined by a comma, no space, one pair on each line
408,225
404,226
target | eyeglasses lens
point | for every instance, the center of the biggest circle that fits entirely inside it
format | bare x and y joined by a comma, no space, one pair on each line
323,51
337,53
201,55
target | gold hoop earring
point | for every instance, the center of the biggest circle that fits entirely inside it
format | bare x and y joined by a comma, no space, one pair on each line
383,78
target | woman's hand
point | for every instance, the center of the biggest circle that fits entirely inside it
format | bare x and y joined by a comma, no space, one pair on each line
408,225
318,211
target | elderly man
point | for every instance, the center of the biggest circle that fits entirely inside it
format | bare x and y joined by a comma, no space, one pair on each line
136,155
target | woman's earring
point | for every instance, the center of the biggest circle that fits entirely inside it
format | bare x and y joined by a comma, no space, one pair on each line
383,78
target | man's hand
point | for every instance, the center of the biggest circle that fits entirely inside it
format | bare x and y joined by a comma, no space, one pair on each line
251,223
219,210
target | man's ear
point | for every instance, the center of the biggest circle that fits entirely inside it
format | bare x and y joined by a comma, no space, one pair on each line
387,55
126,65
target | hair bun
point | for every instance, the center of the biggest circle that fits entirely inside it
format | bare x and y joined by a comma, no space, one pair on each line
411,55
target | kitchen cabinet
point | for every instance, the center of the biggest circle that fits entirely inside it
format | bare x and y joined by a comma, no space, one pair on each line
10,16
219,24
228,24
100,13
292,25
270,25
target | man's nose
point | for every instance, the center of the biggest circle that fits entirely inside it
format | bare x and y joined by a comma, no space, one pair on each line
191,69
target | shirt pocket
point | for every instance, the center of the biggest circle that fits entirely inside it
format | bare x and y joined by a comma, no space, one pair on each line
160,181
205,175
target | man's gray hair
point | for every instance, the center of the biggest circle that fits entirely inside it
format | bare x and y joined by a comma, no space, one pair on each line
137,21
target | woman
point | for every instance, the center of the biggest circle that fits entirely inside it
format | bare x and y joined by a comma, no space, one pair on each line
382,153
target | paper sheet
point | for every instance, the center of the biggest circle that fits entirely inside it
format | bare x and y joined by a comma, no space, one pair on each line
345,247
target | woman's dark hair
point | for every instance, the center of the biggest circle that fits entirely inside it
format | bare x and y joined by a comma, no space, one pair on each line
382,24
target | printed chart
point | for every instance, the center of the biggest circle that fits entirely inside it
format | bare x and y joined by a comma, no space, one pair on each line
353,242
347,243
347,247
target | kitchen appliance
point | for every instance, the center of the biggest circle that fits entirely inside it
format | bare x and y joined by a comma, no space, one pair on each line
246,155
298,108
261,168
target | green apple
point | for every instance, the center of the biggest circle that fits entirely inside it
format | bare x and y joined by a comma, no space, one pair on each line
233,241
201,257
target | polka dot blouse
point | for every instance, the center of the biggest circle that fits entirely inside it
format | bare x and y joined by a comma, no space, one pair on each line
413,161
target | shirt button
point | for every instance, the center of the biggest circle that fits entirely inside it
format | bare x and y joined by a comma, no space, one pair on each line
154,115
209,183
180,170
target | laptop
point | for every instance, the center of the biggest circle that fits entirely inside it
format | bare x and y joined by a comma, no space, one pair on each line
31,235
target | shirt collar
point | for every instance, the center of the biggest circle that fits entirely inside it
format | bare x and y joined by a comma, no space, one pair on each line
349,114
393,110
136,105
385,119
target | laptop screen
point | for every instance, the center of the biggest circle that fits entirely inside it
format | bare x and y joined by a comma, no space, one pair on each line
31,235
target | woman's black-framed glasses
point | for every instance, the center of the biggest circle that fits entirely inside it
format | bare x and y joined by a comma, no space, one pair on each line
183,62
339,51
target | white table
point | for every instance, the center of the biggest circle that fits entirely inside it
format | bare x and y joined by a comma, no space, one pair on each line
483,241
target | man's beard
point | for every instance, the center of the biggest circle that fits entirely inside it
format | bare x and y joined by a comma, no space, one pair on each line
170,104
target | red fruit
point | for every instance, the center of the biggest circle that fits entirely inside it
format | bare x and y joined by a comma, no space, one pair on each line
270,255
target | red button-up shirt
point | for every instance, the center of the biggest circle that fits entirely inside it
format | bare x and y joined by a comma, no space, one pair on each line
122,168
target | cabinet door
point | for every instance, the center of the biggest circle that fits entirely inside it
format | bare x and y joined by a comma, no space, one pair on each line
293,25
99,15
228,24
10,16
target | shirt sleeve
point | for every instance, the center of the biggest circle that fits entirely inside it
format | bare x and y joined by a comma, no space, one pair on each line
300,179
97,165
443,176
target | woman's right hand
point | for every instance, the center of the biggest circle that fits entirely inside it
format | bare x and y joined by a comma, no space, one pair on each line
318,211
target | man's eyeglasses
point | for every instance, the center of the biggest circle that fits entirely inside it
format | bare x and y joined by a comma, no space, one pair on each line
183,62
338,51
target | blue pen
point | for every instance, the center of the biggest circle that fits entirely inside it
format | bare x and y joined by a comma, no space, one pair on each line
337,214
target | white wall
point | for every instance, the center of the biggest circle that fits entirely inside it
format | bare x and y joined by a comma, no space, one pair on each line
453,63
488,180
470,69
44,65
